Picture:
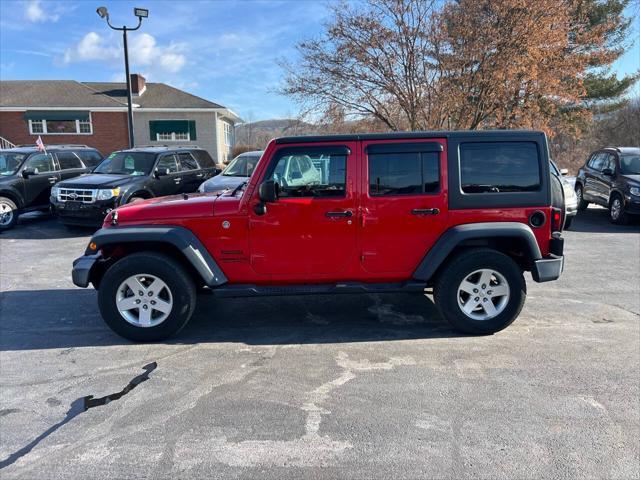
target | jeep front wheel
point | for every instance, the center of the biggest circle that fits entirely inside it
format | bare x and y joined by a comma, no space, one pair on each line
481,291
146,297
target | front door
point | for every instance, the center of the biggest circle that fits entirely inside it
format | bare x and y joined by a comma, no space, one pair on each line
404,204
310,231
37,188
170,182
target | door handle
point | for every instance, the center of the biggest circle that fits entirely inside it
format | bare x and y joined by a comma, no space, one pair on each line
346,214
199,175
425,211
52,180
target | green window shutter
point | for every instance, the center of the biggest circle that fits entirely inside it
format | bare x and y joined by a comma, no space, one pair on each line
192,129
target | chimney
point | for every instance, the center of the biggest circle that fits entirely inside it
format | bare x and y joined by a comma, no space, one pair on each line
138,84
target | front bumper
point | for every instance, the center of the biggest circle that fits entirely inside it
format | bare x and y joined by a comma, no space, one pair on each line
76,213
81,272
632,204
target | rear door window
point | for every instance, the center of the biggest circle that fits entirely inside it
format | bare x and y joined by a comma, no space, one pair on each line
597,161
187,162
499,167
404,173
68,161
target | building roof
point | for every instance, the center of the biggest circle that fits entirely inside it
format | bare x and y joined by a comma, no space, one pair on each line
72,94
53,93
155,95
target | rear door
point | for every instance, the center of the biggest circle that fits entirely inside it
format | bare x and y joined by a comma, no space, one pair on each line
404,203
592,175
192,175
70,165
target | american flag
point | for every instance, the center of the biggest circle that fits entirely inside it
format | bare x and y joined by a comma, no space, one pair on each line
40,145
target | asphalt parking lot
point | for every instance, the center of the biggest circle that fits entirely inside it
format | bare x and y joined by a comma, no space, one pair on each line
370,386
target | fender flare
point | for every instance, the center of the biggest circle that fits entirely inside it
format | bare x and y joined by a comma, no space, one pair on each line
182,238
450,239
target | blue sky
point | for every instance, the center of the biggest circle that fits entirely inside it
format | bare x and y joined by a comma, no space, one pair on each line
224,51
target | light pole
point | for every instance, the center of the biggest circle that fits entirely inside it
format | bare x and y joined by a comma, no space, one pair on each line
140,13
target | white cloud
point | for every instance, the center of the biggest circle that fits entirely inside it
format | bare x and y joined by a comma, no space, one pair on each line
91,47
144,51
36,14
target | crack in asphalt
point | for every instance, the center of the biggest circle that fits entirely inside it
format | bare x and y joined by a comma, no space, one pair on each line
78,406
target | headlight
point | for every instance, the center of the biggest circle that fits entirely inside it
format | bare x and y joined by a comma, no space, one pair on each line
55,191
635,191
107,193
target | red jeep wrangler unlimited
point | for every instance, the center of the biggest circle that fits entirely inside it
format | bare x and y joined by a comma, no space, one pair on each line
464,213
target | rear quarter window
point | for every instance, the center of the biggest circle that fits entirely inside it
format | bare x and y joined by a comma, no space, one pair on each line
499,167
203,158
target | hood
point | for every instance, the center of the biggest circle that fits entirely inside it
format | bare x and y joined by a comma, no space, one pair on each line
633,178
98,180
158,210
221,182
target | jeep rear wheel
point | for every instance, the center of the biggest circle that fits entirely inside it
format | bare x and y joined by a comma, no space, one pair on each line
146,297
8,213
481,291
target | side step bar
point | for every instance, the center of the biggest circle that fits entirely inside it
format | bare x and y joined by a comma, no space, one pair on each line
228,291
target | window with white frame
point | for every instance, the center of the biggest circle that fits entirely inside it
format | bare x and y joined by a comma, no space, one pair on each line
60,126
173,137
228,134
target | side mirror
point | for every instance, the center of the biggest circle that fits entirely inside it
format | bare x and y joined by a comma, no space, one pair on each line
27,172
608,172
160,172
268,191
564,171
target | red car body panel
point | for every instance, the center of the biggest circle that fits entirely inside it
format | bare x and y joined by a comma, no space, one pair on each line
295,242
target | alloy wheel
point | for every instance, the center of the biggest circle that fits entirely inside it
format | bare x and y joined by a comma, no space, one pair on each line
144,300
616,208
6,214
483,294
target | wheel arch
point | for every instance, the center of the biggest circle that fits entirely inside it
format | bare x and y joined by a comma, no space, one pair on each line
14,196
141,193
177,242
512,238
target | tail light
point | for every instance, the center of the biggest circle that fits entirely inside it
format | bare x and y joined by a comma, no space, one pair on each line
557,219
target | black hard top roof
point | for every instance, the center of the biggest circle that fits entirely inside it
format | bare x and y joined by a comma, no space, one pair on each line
407,135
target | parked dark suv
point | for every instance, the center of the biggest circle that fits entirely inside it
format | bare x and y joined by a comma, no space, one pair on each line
611,178
128,176
463,213
27,175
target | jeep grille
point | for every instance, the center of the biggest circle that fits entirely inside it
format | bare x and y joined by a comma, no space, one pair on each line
76,195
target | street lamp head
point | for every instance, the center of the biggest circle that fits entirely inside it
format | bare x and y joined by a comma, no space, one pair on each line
103,12
141,12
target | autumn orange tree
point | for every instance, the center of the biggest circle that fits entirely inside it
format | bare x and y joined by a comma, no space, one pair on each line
464,64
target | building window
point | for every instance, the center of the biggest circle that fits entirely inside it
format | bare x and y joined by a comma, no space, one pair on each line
36,126
228,134
172,130
60,126
173,137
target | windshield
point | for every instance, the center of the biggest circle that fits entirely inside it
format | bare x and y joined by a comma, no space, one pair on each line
127,163
241,166
10,162
630,164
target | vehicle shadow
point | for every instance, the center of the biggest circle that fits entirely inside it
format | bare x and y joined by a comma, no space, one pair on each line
596,220
42,319
40,226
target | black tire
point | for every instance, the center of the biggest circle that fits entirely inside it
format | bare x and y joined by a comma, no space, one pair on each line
8,203
176,278
458,269
582,204
567,223
617,215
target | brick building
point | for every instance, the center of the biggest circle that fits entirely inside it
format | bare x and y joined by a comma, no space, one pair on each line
95,114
